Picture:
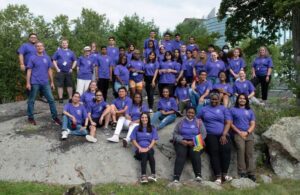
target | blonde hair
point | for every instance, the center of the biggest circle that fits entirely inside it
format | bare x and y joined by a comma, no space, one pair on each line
266,49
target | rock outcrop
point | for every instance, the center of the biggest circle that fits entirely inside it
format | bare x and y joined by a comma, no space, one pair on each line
283,140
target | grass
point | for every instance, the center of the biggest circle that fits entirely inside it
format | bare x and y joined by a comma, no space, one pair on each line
279,186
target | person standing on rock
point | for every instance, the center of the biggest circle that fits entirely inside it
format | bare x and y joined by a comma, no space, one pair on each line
184,133
243,124
75,119
64,61
38,74
217,119
144,137
98,114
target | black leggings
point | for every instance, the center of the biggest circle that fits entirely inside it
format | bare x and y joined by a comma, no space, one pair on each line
219,154
149,90
264,85
144,157
182,152
103,85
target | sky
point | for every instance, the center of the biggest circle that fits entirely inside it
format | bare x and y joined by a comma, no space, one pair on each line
165,13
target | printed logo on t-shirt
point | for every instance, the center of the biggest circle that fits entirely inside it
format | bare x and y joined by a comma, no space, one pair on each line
246,112
106,59
78,112
218,65
192,126
218,111
169,103
184,92
245,85
68,53
45,60
89,62
100,108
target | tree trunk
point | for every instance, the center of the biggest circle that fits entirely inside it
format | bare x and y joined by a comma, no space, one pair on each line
296,47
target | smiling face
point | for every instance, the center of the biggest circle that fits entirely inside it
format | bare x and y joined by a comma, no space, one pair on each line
166,93
40,47
183,48
262,51
242,101
190,114
122,93
99,96
222,76
214,56
33,39
236,53
144,119
137,98
214,100
93,86
242,75
152,56
64,44
76,98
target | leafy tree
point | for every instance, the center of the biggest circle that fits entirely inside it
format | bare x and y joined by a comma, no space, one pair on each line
195,28
133,30
263,18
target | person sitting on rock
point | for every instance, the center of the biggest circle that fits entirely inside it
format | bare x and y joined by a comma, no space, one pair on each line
87,97
243,124
184,133
166,110
120,106
75,118
217,119
144,137
130,120
98,114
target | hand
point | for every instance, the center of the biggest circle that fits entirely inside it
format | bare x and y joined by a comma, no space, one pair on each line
52,85
153,84
93,123
223,140
163,112
191,143
267,78
82,128
74,121
201,100
58,70
101,120
243,134
22,67
28,86
236,76
143,150
184,142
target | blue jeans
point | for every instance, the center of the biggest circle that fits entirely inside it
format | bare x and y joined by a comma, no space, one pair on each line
117,85
213,80
160,121
194,96
46,91
67,125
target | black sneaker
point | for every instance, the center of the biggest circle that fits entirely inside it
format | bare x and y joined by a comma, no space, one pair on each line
57,121
144,179
152,178
243,175
31,121
61,101
252,177
113,125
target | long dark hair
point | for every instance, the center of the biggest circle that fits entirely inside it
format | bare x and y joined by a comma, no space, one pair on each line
149,126
151,61
141,103
153,48
247,106
179,82
168,52
179,60
120,59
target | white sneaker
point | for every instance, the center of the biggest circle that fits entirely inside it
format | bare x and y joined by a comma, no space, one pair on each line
150,110
198,179
90,138
114,138
64,135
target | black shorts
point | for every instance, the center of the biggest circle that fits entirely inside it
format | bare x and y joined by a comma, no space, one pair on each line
64,79
96,120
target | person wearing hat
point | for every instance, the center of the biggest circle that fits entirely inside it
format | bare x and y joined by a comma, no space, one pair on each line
84,70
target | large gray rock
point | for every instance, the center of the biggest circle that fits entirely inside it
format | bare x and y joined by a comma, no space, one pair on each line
283,140
36,153
243,183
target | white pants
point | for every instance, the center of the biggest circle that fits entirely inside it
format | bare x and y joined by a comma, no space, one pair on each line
82,85
123,123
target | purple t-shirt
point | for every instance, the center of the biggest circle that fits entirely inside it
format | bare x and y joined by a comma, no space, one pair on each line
189,129
146,43
199,66
79,112
177,44
213,68
129,56
227,87
183,57
168,78
64,58
113,53
104,63
123,73
87,97
144,138
182,93
39,66
121,103
137,65
188,67
96,108
86,66
150,68
261,65
236,64
191,47
214,118
168,45
160,57
148,51
245,87
202,87
167,104
27,50
135,111
242,117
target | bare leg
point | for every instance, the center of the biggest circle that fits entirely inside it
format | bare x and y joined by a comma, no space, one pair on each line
70,92
60,92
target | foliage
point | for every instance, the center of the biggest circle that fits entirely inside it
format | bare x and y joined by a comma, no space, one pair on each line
133,30
195,28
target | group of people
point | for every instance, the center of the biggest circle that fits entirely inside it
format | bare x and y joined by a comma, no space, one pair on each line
211,87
